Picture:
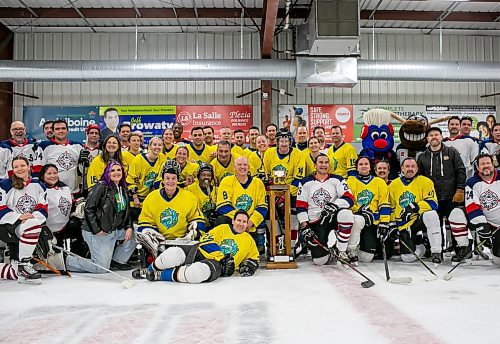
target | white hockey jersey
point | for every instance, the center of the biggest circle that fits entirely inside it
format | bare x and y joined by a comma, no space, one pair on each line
482,200
30,150
59,202
65,157
314,194
4,159
14,202
468,148
490,147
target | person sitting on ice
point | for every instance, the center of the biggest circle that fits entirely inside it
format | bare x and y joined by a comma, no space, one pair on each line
219,253
23,212
323,203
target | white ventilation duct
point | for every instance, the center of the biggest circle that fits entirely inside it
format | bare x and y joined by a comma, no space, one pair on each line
194,70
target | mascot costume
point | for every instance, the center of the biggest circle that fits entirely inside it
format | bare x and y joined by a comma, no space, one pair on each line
378,139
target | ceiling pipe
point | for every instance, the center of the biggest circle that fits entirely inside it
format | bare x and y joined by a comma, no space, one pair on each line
195,70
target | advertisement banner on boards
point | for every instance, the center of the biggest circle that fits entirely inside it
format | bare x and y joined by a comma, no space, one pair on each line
481,115
77,117
151,120
327,116
215,116
292,116
404,111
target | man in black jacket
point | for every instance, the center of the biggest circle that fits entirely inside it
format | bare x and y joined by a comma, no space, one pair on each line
444,166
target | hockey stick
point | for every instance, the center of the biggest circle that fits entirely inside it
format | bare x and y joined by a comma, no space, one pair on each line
428,279
127,283
395,280
366,284
50,267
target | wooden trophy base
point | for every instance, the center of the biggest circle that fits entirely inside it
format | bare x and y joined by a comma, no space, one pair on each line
281,265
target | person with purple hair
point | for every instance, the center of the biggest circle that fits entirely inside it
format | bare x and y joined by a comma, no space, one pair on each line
107,220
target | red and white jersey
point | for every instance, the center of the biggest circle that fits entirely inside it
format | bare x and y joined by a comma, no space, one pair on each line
313,194
14,202
94,152
65,157
468,148
30,150
59,202
482,200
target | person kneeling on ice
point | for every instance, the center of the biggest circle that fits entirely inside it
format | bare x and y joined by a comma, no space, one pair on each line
323,203
169,213
481,213
107,221
219,252
414,208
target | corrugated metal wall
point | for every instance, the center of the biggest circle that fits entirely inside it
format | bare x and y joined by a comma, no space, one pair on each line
104,46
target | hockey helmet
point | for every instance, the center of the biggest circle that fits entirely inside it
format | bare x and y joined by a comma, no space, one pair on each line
284,133
205,167
171,166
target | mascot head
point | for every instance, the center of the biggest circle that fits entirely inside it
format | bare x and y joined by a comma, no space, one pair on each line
413,129
377,134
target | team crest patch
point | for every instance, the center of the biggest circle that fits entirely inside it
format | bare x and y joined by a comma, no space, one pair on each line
150,178
279,168
26,204
406,198
207,207
169,218
64,205
227,174
244,202
365,197
320,197
229,246
489,200
66,161
335,163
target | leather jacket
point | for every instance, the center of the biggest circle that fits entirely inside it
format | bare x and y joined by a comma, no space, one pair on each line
101,210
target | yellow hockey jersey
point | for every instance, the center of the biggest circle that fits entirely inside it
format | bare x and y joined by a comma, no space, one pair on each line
372,192
293,164
255,159
143,173
344,159
221,171
97,167
170,153
420,190
251,197
237,150
190,169
170,216
206,203
240,246
202,155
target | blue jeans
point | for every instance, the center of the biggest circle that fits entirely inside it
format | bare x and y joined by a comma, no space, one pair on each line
102,251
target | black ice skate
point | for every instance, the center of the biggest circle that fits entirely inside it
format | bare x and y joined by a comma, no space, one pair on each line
26,274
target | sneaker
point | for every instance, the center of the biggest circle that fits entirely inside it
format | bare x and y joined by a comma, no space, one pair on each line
26,274
436,258
140,273
153,276
119,266
353,257
461,253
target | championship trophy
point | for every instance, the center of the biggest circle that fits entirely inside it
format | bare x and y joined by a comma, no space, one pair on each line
280,253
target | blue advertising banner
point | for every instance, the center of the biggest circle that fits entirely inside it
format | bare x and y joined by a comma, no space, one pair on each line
78,118
151,120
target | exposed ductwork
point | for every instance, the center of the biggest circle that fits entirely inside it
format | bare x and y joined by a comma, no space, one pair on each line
195,70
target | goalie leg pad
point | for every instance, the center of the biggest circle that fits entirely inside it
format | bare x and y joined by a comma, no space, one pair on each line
408,258
321,260
434,230
170,258
195,273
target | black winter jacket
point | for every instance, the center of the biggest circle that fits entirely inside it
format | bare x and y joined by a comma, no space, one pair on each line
445,168
101,210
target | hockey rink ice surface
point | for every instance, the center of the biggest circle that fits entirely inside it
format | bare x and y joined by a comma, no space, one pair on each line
309,305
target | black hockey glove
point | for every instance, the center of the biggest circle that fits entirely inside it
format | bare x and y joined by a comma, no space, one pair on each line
387,230
407,213
329,211
212,217
84,158
44,244
309,236
248,267
227,266
280,204
367,215
483,231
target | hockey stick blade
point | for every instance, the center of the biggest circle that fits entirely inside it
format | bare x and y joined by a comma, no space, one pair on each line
400,280
430,278
127,284
367,284
447,277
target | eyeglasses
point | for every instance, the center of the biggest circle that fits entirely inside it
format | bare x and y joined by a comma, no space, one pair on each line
17,129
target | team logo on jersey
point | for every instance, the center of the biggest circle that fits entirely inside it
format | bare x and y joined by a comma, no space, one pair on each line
320,197
26,204
243,202
335,163
150,178
489,200
64,205
229,246
227,174
406,198
169,218
66,161
280,168
365,197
